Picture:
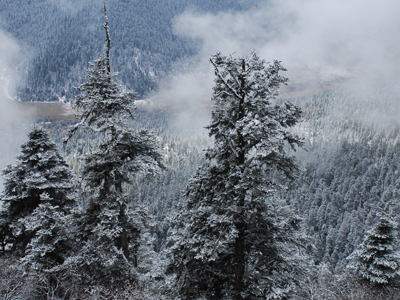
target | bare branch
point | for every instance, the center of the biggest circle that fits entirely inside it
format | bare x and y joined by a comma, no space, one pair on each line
108,40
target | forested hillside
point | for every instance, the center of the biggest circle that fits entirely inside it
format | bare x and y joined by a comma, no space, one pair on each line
276,198
348,169
63,36
348,173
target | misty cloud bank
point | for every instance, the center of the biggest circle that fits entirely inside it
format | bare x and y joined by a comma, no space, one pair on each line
13,127
319,42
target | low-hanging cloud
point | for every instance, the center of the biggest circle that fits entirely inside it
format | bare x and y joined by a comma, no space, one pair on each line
13,124
318,42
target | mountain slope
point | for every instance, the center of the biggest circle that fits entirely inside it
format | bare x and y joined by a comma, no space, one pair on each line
59,38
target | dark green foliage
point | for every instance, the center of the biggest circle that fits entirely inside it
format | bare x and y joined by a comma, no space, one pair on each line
39,170
231,238
339,192
110,228
376,259
53,242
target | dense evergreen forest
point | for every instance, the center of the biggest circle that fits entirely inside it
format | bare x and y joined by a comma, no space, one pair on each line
345,179
63,36
276,199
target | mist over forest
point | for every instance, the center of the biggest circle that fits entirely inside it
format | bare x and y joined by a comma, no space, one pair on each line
98,205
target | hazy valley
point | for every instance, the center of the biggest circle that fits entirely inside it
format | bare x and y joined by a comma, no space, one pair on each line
343,76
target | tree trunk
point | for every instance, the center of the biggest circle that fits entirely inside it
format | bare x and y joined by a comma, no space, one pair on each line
240,225
123,242
239,261
108,40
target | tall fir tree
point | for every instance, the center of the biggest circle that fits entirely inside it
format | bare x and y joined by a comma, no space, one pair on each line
39,170
232,239
110,226
377,260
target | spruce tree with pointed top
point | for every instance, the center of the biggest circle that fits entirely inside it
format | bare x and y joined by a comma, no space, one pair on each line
39,170
231,238
377,259
111,226
39,195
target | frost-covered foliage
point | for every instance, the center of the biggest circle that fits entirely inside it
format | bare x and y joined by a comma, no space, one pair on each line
232,238
14,282
377,259
110,227
40,170
52,242
59,40
342,185
321,283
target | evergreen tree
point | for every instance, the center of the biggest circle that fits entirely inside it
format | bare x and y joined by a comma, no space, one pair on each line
232,238
39,170
110,228
376,259
52,243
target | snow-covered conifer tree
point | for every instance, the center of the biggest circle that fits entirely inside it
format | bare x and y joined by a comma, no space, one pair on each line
52,243
232,239
377,259
110,225
39,170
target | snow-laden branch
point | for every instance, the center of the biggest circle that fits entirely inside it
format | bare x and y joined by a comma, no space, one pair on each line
223,92
218,74
230,145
